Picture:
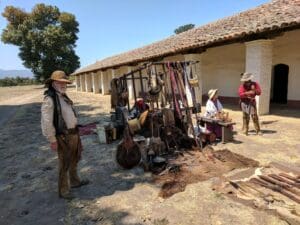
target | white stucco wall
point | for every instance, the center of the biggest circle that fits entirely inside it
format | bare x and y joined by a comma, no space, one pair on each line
259,63
106,81
222,67
286,50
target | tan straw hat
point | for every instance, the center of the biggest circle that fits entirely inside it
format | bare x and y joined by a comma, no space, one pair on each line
212,93
58,75
246,77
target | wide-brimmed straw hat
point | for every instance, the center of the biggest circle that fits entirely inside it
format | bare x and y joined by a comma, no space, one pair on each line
58,75
246,77
212,93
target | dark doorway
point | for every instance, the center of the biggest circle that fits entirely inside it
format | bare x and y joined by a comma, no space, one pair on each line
280,83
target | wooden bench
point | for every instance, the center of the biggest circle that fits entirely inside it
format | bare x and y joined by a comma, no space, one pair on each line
227,134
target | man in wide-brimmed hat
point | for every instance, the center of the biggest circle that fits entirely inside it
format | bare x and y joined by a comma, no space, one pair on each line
247,92
59,126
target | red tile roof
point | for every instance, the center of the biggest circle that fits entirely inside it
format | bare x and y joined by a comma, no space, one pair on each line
269,18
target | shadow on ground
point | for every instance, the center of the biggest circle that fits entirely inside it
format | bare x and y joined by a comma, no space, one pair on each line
277,110
28,179
285,111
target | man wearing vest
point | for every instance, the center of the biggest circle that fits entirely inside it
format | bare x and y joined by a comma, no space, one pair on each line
247,92
59,126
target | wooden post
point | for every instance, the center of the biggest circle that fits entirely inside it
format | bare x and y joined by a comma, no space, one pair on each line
141,82
133,84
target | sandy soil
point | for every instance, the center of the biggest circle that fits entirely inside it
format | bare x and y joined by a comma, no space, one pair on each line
28,178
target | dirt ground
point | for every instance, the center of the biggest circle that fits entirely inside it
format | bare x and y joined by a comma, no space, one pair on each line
28,178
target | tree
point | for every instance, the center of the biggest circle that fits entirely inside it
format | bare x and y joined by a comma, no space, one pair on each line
46,38
14,81
184,28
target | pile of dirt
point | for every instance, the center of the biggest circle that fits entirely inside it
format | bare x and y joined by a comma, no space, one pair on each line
194,166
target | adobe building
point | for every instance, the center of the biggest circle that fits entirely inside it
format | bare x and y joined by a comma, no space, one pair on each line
264,40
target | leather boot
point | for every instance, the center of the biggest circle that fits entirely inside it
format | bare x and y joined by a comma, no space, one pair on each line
67,196
243,127
256,124
81,183
246,119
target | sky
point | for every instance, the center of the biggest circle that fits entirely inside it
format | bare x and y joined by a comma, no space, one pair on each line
109,27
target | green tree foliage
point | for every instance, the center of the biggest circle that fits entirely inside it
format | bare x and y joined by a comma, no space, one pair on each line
46,38
184,28
17,81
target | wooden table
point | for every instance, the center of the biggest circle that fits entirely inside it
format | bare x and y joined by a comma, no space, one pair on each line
227,134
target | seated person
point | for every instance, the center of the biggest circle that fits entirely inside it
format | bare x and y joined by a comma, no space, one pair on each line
139,107
212,110
213,105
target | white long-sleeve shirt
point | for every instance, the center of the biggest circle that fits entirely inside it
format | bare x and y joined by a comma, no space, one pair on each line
211,110
47,117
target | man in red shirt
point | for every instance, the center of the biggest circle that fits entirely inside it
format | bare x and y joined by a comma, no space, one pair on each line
247,92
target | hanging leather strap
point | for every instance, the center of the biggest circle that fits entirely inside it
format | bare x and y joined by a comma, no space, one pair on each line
181,85
188,91
189,71
174,89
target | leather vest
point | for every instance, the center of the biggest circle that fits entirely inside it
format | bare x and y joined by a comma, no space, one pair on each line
58,120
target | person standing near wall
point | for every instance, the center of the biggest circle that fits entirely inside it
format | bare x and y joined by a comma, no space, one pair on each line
247,92
59,126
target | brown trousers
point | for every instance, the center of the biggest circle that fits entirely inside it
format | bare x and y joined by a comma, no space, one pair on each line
69,152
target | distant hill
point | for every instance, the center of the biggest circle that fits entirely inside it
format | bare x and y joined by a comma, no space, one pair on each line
15,73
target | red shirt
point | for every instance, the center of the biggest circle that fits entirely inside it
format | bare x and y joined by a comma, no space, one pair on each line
249,97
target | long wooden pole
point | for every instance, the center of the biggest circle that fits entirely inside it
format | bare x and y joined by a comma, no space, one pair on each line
156,63
133,85
275,188
141,82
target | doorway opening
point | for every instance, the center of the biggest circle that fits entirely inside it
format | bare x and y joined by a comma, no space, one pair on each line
280,84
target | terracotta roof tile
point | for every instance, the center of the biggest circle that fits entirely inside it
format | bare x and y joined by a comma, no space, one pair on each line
270,17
